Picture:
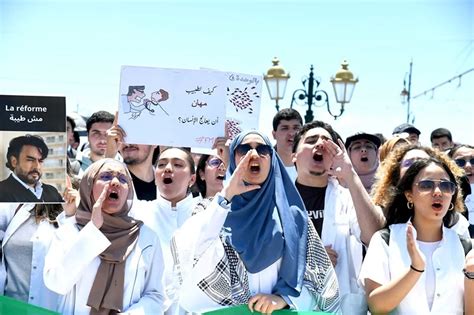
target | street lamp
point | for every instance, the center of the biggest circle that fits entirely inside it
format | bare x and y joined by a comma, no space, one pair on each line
276,79
343,83
405,95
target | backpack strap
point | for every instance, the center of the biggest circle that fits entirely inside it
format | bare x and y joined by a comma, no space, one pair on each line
385,234
466,244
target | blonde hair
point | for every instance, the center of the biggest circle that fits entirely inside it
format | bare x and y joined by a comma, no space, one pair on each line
391,145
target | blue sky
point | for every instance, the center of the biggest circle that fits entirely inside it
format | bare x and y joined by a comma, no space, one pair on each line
75,48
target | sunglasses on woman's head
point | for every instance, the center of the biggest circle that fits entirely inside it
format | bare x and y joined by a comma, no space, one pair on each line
409,162
108,176
429,185
461,162
262,149
214,162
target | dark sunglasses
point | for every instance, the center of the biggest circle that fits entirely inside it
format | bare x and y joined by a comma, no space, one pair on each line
214,162
108,176
262,149
428,185
463,162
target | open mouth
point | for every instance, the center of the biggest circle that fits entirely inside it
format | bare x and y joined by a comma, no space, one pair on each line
167,180
364,159
318,157
437,205
220,177
113,195
130,148
254,168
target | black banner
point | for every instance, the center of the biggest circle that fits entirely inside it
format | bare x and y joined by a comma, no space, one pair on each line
32,113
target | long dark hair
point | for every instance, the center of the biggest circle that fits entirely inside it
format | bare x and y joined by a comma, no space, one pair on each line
397,209
201,166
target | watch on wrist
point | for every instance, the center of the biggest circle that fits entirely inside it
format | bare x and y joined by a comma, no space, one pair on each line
469,275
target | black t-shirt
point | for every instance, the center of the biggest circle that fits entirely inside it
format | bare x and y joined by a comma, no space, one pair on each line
144,190
313,198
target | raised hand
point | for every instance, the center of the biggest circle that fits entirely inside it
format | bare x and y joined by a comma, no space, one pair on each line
115,136
97,218
266,303
332,254
71,198
418,260
236,185
470,261
221,144
341,163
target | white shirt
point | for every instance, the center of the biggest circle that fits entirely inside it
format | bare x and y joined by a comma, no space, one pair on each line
386,262
37,191
39,294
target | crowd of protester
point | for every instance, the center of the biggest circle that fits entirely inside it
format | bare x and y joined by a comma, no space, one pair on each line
309,222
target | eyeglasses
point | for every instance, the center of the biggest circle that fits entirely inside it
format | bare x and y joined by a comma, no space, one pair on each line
359,147
108,176
429,185
262,149
214,162
461,162
409,162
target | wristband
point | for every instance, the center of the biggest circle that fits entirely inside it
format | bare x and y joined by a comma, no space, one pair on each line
469,275
417,270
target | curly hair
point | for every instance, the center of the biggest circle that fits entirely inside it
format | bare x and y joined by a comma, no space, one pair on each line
397,208
388,174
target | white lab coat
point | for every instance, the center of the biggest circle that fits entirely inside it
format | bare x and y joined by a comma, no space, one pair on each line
39,294
341,230
164,220
73,259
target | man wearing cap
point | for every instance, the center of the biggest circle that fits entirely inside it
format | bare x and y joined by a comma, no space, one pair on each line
25,157
363,152
413,133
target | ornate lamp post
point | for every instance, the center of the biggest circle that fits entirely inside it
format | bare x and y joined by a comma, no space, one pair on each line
276,79
343,83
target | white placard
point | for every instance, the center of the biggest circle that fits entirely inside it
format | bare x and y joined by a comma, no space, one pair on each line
173,107
243,93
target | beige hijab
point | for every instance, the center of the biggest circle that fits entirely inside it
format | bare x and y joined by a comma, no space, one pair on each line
106,296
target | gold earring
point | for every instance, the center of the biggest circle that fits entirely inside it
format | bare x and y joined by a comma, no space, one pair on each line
409,205
451,206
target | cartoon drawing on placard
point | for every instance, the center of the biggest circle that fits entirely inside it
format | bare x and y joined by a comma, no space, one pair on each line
134,102
243,98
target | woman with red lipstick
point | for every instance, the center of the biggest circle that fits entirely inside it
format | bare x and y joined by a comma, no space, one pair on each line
417,268
254,244
102,260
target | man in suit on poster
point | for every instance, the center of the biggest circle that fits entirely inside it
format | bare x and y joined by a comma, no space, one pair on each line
25,157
